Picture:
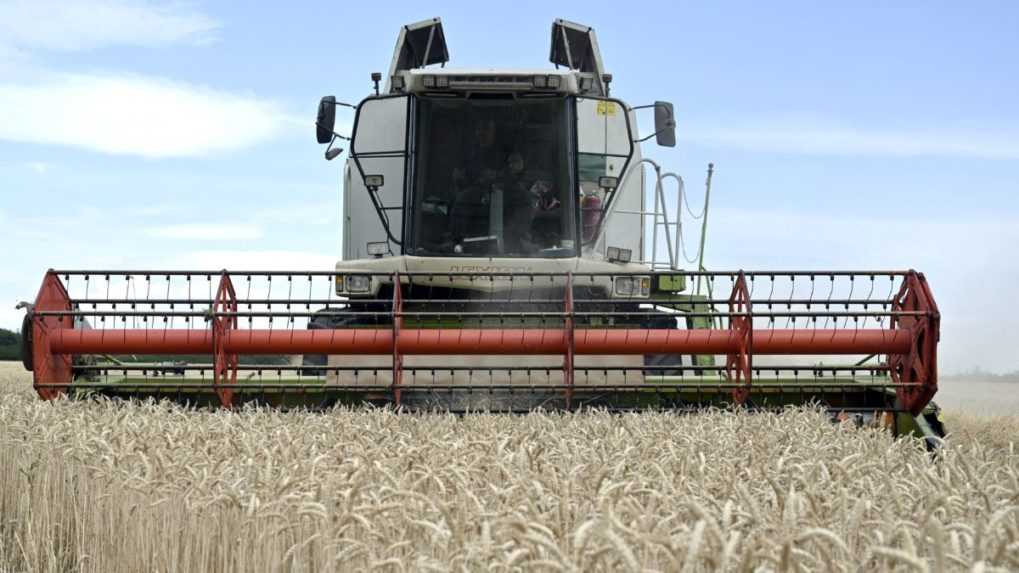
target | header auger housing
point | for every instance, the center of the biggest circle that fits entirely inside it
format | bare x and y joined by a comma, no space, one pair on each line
500,252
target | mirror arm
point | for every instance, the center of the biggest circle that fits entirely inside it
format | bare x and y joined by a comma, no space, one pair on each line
671,122
643,139
343,137
331,153
648,106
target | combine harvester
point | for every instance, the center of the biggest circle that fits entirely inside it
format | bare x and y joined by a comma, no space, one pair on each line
500,252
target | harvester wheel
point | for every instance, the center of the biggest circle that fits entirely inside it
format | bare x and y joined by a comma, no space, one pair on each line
323,319
933,419
663,360
26,342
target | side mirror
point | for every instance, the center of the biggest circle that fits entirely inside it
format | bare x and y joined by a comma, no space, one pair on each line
665,124
326,120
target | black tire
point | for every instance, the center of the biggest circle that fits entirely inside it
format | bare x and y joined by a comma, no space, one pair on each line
663,322
313,360
322,319
933,420
26,343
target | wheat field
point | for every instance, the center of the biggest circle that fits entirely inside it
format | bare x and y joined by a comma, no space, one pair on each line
109,487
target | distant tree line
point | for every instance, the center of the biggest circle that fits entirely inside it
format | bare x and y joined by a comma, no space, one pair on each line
977,373
10,345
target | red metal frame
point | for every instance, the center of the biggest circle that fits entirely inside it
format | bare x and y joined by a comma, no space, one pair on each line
50,368
738,362
909,340
920,363
224,361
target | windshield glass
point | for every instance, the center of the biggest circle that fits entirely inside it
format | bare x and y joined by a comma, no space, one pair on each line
493,178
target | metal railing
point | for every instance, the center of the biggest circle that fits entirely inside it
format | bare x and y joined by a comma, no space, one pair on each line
664,221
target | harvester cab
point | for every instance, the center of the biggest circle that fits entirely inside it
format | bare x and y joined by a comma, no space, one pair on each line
506,246
453,169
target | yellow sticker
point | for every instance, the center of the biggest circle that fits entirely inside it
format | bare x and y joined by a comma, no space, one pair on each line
606,108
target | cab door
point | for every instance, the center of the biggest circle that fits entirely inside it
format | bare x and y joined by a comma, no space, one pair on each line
376,190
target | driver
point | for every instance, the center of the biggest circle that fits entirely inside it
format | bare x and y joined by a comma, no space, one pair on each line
473,178
482,159
524,197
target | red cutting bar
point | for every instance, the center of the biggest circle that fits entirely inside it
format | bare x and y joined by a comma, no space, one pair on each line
354,341
166,341
480,341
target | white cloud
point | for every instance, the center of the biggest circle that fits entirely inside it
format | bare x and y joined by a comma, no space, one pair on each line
136,115
82,24
827,138
207,232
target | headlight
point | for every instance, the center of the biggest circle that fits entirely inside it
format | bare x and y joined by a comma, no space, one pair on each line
378,249
358,283
624,286
632,286
544,82
618,255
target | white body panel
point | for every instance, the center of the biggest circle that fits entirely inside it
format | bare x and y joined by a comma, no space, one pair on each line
622,228
485,266
361,223
385,133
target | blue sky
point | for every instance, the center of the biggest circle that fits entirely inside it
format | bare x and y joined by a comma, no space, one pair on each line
864,135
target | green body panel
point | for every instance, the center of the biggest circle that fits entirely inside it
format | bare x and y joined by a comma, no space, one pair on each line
667,283
867,398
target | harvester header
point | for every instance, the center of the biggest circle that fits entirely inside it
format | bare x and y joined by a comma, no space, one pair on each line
758,326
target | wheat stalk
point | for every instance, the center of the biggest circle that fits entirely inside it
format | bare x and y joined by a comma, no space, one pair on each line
107,486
